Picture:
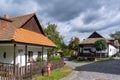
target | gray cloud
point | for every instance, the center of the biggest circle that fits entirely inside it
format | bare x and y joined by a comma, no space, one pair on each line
64,10
90,18
74,17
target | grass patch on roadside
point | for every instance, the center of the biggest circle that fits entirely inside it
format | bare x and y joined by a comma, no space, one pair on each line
56,74
80,61
105,59
96,60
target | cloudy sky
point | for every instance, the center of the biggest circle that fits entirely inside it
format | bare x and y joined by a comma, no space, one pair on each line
74,17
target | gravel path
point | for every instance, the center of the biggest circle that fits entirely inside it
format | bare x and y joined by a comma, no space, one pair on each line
106,70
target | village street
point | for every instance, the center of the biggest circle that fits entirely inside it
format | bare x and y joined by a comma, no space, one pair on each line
105,70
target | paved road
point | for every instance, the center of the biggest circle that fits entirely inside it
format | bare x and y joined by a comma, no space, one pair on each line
107,70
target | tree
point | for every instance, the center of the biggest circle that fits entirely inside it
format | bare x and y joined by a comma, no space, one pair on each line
100,45
74,45
116,35
52,33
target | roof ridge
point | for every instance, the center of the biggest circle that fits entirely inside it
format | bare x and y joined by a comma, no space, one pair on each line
22,15
13,37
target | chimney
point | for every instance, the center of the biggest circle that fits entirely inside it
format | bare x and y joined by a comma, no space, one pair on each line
6,16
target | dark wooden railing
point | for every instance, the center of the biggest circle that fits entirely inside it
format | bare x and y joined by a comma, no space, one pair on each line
6,72
93,55
33,69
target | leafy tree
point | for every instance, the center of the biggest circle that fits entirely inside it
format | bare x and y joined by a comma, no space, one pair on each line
100,45
74,43
52,33
116,35
73,46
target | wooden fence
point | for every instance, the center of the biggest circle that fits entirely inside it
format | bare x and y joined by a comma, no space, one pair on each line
93,55
33,69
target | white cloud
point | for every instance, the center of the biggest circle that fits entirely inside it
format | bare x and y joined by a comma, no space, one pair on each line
8,6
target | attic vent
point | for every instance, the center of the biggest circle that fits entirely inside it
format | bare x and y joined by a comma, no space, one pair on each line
6,16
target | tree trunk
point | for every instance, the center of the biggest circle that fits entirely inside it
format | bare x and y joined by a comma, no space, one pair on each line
100,54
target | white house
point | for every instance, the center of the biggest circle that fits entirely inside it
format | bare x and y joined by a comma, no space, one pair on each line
88,49
22,40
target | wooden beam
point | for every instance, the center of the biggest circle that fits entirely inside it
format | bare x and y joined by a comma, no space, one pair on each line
14,56
42,52
25,59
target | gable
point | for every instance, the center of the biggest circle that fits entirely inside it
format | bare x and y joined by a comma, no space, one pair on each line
33,25
95,35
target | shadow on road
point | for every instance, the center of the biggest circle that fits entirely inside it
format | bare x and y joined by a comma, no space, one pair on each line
111,67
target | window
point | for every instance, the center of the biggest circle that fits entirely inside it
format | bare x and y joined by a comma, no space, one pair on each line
30,54
39,54
4,55
87,49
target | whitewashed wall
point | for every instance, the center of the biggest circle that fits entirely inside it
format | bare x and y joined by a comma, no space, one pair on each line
20,53
112,50
35,49
9,49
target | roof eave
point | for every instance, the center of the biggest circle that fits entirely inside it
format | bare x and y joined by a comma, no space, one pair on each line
13,41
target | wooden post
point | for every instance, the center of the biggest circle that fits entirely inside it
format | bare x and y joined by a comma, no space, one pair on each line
25,59
48,56
14,56
42,52
81,50
31,71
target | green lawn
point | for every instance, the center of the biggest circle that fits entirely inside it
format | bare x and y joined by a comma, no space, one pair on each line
56,74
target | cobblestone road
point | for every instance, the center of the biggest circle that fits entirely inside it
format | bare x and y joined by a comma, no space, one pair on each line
106,70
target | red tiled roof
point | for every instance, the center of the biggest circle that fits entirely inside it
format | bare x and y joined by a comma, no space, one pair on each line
18,21
26,36
7,33
18,34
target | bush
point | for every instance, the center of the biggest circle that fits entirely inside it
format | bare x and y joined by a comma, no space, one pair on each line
118,54
55,58
39,59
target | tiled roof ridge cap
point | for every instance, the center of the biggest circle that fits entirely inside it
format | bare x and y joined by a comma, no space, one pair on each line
22,15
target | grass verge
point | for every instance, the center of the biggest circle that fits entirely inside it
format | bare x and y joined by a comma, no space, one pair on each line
56,74
80,61
96,60
105,59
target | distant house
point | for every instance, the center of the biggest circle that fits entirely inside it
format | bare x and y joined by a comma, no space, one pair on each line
22,40
87,48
